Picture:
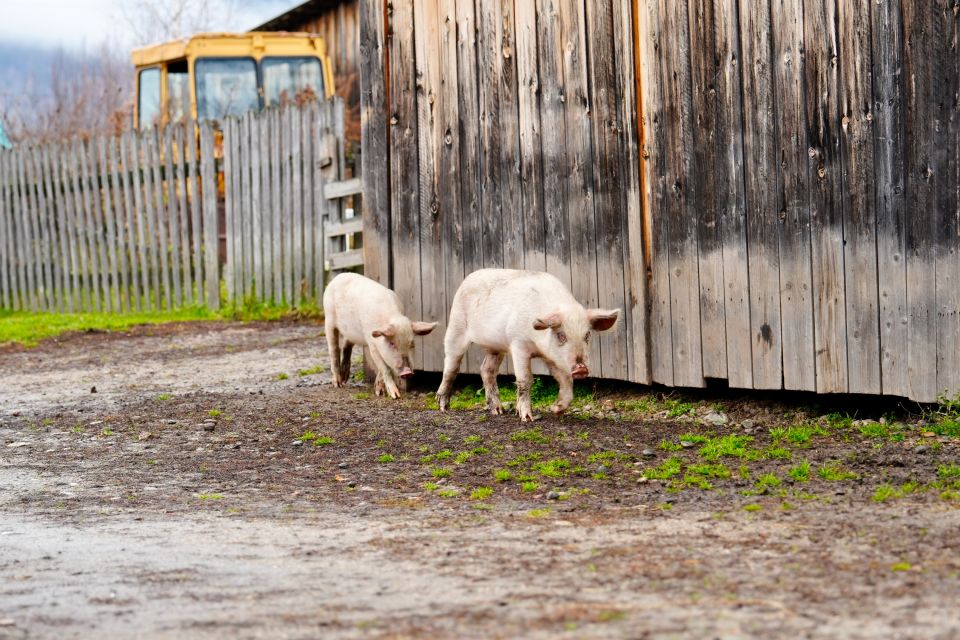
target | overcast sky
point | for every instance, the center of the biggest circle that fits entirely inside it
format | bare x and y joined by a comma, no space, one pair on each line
79,24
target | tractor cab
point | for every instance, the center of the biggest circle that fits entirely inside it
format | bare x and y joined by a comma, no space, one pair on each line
215,75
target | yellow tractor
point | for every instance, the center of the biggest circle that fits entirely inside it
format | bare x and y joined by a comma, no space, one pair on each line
213,75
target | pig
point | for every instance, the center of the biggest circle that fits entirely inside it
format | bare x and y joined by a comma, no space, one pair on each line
360,311
531,314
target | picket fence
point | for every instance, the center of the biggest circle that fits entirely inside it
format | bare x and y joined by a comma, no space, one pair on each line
168,218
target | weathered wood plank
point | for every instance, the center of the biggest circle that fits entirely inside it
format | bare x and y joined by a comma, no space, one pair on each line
345,228
256,206
309,190
319,202
92,215
245,220
60,251
890,179
945,138
6,256
654,131
193,180
42,226
626,48
296,187
430,133
345,260
796,302
111,210
211,233
468,106
404,163
921,31
489,56
156,229
132,167
374,151
681,214
729,184
859,224
183,213
705,69
171,215
511,203
826,207
608,182
760,171
229,180
28,234
343,188
286,189
276,200
121,215
267,212
78,222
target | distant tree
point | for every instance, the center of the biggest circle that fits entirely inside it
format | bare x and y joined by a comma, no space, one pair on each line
83,95
152,21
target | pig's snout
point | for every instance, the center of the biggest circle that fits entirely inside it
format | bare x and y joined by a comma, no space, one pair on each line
580,370
405,372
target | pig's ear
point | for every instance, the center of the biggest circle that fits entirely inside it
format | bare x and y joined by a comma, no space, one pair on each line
602,319
422,328
386,332
551,321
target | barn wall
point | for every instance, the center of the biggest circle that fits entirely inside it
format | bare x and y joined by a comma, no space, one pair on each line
786,215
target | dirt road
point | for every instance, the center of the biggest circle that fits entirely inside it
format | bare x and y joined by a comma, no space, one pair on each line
216,486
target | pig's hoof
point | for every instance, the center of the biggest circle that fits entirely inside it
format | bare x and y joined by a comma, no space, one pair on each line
442,402
496,410
395,394
557,409
526,416
338,383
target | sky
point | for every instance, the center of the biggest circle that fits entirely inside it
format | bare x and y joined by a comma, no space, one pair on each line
85,24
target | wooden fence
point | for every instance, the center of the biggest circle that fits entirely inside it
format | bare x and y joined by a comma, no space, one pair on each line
140,222
768,190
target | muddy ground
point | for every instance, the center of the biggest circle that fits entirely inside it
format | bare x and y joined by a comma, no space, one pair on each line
216,485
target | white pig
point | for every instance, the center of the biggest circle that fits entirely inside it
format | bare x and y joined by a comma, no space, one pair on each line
360,311
531,315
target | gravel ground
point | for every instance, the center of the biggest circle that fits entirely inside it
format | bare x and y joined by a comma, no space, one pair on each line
208,489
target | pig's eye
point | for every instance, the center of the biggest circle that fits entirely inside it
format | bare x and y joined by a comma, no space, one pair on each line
561,337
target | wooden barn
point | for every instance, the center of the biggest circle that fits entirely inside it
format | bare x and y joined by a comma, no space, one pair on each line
770,191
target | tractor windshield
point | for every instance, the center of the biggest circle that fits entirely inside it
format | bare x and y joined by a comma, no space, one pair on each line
287,79
226,87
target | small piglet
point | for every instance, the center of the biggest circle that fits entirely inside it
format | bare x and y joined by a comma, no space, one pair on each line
531,314
362,312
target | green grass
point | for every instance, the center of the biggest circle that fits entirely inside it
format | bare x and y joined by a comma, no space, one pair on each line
29,328
311,371
552,468
802,433
214,413
447,493
315,439
543,393
767,481
834,472
210,496
481,493
667,445
440,472
901,566
502,475
948,471
801,472
530,486
677,408
386,457
530,435
733,446
718,470
752,507
665,470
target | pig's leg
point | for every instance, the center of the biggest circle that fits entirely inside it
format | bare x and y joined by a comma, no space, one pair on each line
333,346
565,382
345,361
453,348
378,387
521,365
384,373
488,373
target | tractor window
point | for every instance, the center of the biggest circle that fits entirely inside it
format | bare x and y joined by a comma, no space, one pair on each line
291,79
178,91
226,87
148,109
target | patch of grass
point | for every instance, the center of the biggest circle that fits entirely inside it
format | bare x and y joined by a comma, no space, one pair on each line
282,376
838,420
719,470
210,496
522,459
694,438
644,404
440,472
552,468
800,472
948,471
538,513
502,475
777,453
481,493
530,435
214,413
362,395
28,329
163,397
529,486
665,470
667,445
315,439
605,457
106,432
431,486
665,506
677,408
448,493
875,430
744,472
801,434
767,481
311,371
752,507
611,615
733,446
778,433
443,454
386,457
901,566
472,440
834,472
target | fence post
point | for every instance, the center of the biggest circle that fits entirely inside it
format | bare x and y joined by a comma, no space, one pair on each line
211,236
